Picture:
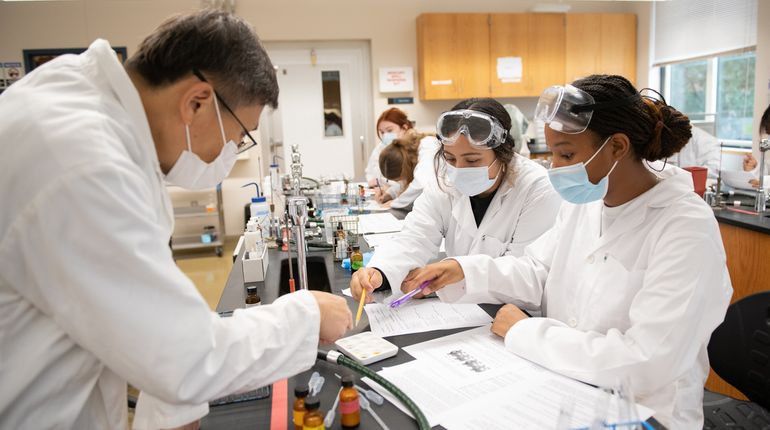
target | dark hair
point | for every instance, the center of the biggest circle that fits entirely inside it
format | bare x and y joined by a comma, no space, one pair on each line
221,45
396,116
656,130
503,152
764,123
400,157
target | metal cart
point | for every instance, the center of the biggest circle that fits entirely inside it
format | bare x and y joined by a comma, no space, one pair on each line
213,239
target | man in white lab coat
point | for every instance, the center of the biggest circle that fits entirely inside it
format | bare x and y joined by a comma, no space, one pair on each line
90,296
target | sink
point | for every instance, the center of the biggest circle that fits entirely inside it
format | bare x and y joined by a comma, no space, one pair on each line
317,276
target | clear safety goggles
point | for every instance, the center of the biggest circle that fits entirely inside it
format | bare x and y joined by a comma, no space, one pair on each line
568,109
480,129
565,109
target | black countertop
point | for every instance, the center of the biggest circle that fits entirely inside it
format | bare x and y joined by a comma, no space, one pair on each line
731,216
256,414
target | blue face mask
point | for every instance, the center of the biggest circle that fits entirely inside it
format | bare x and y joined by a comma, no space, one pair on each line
387,138
573,185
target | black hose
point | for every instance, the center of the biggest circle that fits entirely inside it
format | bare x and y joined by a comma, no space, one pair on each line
340,359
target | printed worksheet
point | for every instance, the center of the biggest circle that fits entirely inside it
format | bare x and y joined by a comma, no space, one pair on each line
456,376
417,316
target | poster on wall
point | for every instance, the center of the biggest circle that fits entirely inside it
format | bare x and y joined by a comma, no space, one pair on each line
396,79
12,72
34,58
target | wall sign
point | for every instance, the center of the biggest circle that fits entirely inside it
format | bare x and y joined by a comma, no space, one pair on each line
396,79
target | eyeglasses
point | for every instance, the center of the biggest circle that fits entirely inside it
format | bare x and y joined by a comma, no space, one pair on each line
243,145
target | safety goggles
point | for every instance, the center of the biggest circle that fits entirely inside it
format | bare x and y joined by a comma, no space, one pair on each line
480,129
568,109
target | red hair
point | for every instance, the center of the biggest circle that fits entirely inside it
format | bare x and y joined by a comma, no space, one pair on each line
396,116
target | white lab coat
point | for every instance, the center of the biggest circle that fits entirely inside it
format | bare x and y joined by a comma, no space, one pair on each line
518,214
373,165
423,173
639,301
90,296
701,150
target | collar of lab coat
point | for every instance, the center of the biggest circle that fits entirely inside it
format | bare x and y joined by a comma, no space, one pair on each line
675,184
461,204
109,67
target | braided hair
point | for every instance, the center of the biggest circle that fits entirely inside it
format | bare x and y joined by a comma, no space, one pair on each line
656,130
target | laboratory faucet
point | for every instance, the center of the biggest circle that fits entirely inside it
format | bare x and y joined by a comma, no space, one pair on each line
760,205
296,170
298,211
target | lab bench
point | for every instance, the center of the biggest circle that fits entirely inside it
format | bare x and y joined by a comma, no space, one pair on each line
746,238
256,414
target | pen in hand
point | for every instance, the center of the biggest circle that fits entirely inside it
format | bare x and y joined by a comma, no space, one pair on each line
408,296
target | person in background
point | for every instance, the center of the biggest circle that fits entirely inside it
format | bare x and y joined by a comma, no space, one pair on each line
632,278
391,124
90,296
750,164
702,150
407,161
518,131
483,199
332,124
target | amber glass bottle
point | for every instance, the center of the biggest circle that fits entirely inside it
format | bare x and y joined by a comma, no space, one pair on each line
350,407
298,408
314,419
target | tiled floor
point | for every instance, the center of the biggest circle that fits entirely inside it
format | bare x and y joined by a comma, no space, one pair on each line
209,272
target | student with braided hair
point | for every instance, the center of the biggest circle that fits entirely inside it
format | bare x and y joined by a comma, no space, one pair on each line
632,278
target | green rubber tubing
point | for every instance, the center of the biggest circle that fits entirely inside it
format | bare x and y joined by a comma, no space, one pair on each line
342,360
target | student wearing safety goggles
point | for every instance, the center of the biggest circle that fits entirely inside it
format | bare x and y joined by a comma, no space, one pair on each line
632,278
484,199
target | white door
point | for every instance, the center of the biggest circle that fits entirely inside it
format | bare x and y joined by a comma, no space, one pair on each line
324,108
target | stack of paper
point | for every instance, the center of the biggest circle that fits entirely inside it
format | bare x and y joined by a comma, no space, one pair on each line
375,240
373,206
419,316
470,381
378,223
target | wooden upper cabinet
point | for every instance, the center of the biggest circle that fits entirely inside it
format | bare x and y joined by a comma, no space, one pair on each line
538,40
600,43
458,54
453,55
508,34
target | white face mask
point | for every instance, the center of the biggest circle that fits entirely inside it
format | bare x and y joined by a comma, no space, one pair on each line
192,173
471,181
387,138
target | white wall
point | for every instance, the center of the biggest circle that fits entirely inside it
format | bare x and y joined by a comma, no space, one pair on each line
390,28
